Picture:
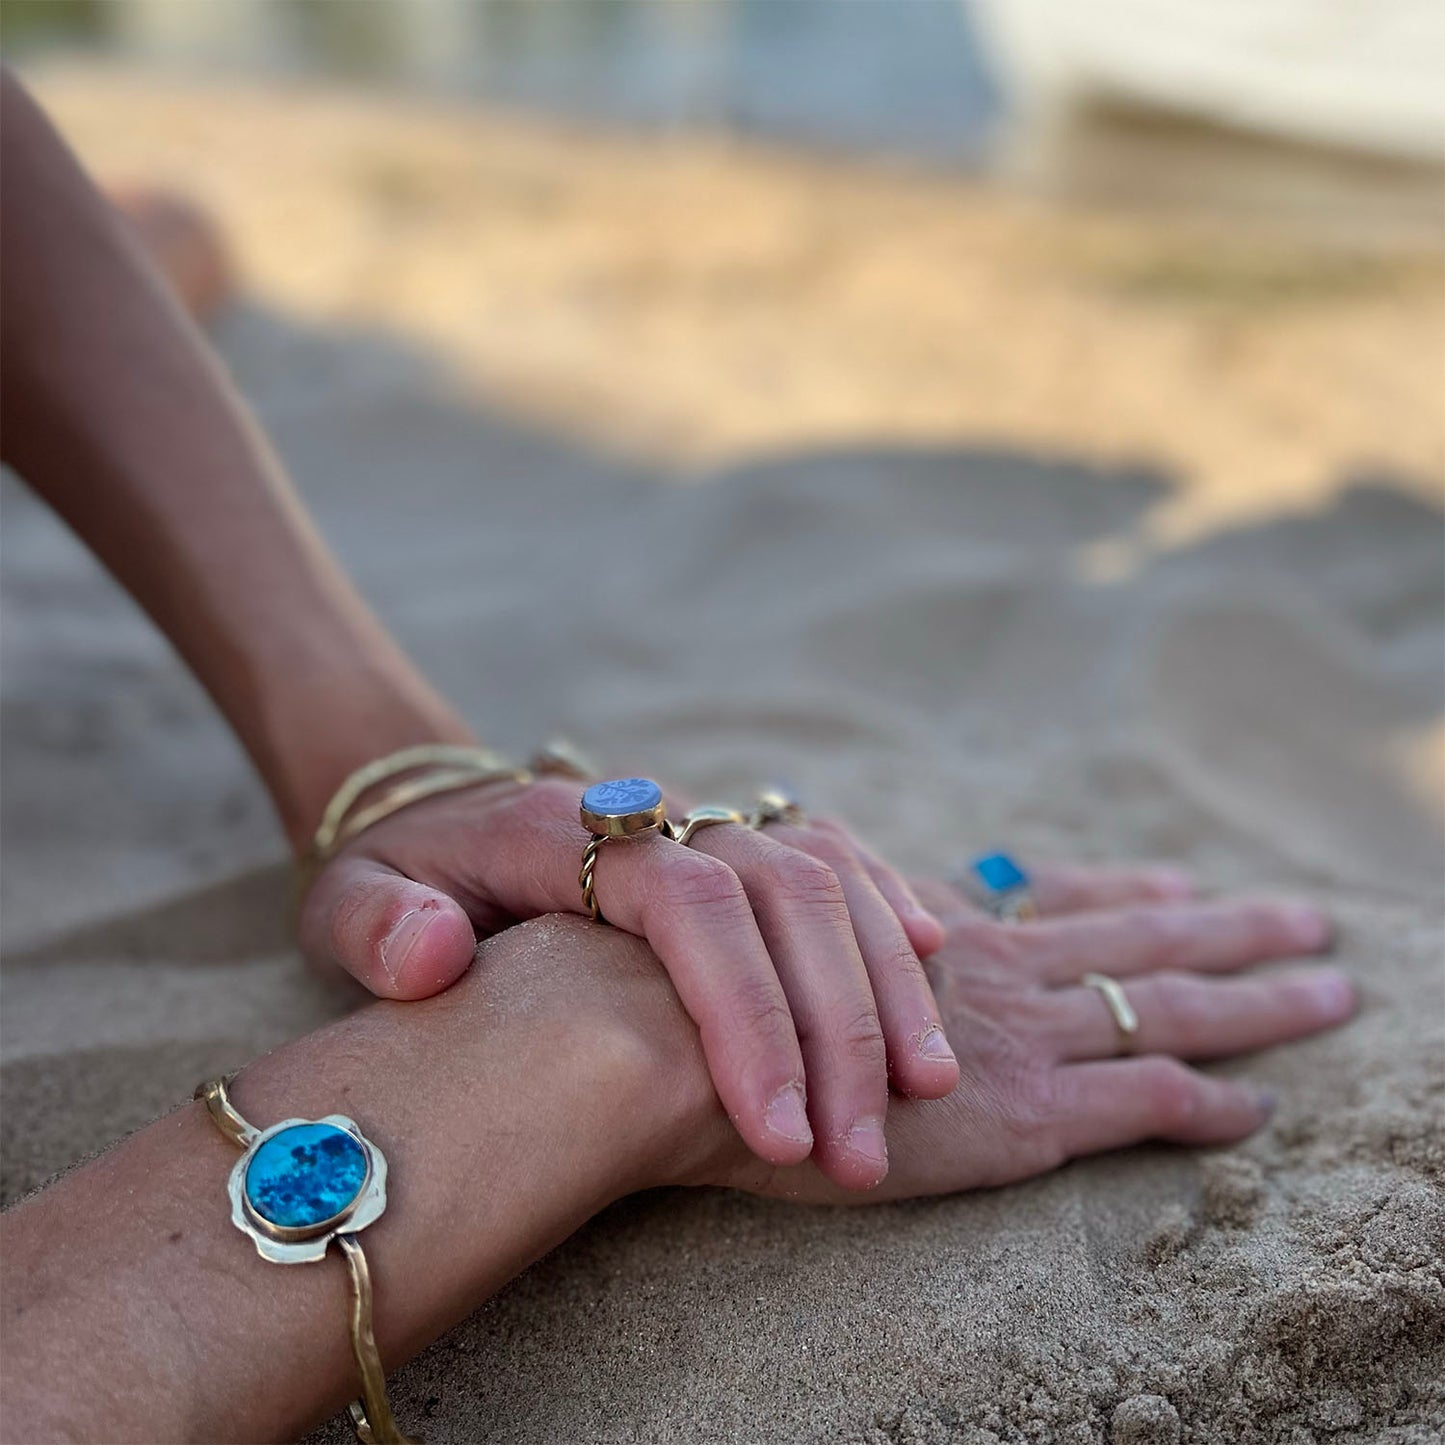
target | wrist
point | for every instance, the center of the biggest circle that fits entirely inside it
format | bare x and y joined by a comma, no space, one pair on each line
341,713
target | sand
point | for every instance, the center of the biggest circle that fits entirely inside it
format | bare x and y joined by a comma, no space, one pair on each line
1011,634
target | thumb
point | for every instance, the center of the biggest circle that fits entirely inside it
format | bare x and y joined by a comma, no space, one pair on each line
400,938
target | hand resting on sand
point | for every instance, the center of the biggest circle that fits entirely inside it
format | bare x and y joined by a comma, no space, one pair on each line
562,1073
794,950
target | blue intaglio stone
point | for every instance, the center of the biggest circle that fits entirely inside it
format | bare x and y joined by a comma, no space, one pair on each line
305,1174
999,873
622,796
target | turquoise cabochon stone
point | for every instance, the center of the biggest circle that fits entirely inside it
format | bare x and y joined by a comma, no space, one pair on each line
620,796
305,1174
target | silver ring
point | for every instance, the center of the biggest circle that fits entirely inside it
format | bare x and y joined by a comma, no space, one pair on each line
1001,886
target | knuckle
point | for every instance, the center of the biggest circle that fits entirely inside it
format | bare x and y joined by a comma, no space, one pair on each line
758,1007
1178,1003
994,943
1030,1108
696,880
902,966
858,1035
808,881
1172,1090
1164,932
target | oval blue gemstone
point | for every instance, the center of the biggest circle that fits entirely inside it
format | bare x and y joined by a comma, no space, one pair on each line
622,796
305,1174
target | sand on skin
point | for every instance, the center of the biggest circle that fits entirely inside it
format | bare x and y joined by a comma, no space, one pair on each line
898,621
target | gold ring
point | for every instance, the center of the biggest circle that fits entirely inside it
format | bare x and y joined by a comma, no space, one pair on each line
619,808
776,806
705,817
1125,1019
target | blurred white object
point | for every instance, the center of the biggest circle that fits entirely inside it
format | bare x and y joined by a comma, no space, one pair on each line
1355,81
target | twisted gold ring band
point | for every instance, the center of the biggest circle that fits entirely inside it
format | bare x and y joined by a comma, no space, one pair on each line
620,808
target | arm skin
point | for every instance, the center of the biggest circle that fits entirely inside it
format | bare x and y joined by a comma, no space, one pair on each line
510,1109
797,956
560,1074
114,409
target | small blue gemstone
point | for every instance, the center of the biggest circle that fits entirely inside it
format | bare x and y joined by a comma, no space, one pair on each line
622,796
305,1174
999,873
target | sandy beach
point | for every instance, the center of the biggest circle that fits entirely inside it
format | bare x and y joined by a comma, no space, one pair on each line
977,524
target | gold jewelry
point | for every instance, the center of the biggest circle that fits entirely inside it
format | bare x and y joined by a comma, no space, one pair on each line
620,808
776,806
561,756
704,817
1125,1019
297,1186
422,755
451,767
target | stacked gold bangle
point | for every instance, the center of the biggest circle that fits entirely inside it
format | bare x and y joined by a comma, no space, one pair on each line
413,774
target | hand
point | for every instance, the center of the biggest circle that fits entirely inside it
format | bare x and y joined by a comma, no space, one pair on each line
794,950
1043,1080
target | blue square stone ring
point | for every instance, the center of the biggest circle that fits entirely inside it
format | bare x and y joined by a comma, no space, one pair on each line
1001,886
297,1186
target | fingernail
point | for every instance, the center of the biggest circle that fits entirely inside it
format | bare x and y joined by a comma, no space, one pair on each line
787,1115
1310,928
866,1140
1268,1101
1334,994
402,939
933,1045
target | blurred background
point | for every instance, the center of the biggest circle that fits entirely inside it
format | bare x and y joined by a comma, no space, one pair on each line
1199,234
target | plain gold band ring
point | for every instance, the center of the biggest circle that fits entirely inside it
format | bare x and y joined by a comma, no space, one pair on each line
1122,1011
705,817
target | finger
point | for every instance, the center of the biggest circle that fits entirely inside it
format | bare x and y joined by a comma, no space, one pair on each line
1206,937
920,1061
694,911
802,913
1061,888
400,938
923,929
1202,1018
1127,1101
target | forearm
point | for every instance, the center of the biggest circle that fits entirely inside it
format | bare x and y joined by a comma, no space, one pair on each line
510,1110
117,413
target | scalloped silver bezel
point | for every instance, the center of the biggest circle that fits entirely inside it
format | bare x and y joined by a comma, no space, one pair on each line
304,1246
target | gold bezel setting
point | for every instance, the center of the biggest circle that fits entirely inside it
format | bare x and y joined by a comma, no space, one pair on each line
304,1244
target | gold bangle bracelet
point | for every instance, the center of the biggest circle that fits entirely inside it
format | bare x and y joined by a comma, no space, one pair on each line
414,790
422,755
297,1186
449,768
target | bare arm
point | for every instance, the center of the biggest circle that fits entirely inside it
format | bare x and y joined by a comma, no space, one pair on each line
115,410
559,1075
510,1110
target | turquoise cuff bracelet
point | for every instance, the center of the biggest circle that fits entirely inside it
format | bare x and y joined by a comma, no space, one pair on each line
298,1186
